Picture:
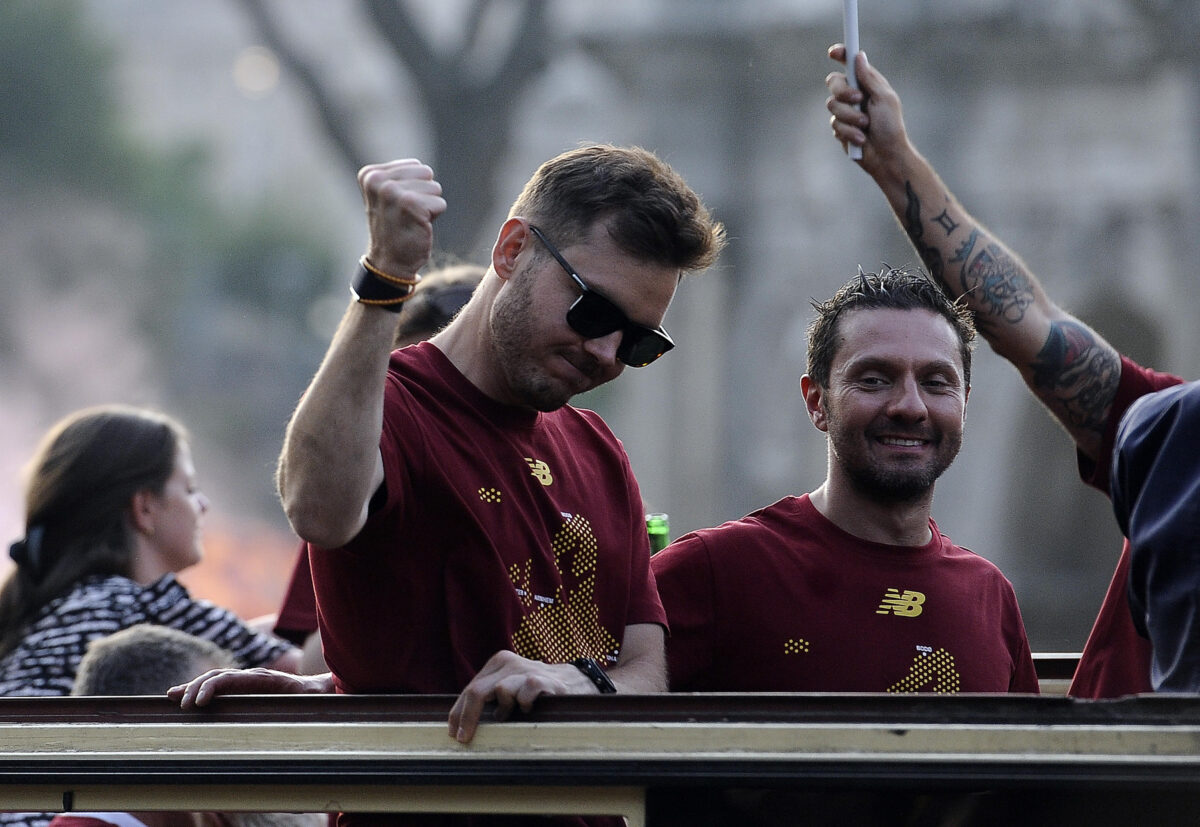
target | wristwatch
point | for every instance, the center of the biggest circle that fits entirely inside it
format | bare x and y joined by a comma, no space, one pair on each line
596,674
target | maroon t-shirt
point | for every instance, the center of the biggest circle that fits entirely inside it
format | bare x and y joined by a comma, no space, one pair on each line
501,528
785,601
1116,659
297,618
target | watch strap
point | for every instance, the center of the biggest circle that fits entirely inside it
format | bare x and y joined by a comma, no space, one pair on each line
388,293
596,674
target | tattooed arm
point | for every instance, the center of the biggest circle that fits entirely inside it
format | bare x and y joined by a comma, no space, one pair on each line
1067,365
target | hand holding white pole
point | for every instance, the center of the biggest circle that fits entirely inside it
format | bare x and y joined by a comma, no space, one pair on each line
850,37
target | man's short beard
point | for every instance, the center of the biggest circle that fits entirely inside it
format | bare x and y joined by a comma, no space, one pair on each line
512,329
889,486
893,488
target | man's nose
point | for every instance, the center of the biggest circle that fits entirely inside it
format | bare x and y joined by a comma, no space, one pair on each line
907,400
604,348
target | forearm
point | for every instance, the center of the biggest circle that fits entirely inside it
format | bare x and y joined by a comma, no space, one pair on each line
330,465
1011,310
642,667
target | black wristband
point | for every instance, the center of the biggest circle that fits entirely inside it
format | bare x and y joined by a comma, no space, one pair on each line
595,674
371,289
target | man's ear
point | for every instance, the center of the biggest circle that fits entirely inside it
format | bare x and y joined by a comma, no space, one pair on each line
814,398
514,235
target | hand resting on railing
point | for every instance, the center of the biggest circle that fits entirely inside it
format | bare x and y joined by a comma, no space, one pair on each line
259,681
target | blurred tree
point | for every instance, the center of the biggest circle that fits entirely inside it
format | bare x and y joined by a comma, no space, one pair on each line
468,93
63,132
55,102
214,303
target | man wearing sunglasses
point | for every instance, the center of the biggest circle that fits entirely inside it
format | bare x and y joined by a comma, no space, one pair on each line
472,532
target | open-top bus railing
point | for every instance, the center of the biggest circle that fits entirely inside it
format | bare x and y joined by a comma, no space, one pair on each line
592,755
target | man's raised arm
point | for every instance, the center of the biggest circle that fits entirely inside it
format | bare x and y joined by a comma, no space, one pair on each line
330,464
1067,365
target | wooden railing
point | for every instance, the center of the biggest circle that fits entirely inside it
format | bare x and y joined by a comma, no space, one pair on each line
646,757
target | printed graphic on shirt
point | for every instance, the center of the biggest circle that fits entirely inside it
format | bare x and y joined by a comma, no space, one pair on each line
795,646
566,625
540,471
489,495
931,670
906,604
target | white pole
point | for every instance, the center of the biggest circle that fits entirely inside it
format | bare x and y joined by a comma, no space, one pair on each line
850,37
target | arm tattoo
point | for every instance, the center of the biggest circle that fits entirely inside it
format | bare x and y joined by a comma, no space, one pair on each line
1076,376
929,254
1001,287
964,250
962,254
948,224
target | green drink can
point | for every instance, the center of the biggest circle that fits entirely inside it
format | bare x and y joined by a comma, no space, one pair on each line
658,528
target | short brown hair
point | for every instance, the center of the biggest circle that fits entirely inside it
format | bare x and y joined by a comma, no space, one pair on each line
651,212
890,288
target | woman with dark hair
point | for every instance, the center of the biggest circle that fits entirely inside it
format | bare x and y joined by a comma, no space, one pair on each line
112,512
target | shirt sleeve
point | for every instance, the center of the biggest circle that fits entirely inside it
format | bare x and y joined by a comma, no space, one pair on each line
297,617
1136,381
1025,677
169,604
685,584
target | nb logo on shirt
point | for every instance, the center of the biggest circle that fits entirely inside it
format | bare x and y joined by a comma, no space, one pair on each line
907,604
540,470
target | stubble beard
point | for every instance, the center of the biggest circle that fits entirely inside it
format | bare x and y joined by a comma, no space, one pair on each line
894,485
512,330
891,486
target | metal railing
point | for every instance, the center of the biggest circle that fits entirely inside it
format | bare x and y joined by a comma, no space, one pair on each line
591,755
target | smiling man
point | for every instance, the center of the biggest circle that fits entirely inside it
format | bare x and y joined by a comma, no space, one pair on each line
852,588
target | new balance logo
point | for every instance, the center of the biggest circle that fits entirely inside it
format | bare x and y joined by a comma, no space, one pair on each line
906,604
540,470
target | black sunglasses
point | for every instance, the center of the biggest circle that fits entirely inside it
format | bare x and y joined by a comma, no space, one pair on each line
593,316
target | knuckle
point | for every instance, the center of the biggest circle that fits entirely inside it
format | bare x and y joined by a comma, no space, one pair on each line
504,657
475,694
367,175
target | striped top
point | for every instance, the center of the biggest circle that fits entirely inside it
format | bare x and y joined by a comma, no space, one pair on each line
44,663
